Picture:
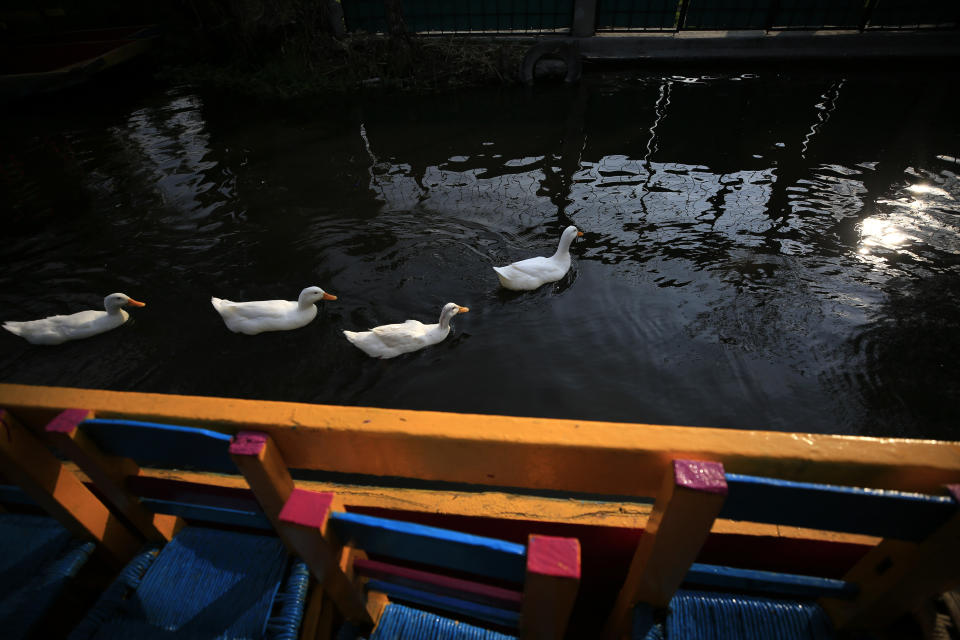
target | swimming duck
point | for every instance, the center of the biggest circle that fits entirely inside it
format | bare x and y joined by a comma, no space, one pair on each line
83,324
532,273
258,316
391,340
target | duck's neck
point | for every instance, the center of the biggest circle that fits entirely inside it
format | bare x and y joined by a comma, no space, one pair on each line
563,249
445,321
303,304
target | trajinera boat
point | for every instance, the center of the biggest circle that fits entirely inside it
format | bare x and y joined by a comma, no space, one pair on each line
279,519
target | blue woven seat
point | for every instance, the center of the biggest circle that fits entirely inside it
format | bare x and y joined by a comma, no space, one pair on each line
399,622
205,583
37,557
707,615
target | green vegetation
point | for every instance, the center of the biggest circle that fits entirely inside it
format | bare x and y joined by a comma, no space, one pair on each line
322,64
290,48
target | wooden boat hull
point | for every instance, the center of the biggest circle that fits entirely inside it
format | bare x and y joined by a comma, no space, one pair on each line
44,65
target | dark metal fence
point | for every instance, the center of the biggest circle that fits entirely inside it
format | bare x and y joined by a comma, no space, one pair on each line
774,15
557,16
463,16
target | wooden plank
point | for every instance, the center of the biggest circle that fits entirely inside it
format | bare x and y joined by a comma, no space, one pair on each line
455,607
200,513
511,506
202,489
297,525
25,460
895,577
686,506
560,455
108,473
550,587
376,603
439,583
313,626
768,582
875,512
162,445
414,542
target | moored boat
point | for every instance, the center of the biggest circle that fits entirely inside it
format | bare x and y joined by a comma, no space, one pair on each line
43,64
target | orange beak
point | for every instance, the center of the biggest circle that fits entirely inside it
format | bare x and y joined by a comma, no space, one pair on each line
328,296
463,309
579,233
135,303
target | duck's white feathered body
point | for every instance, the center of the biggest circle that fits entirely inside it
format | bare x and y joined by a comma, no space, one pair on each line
258,316
75,326
391,340
532,273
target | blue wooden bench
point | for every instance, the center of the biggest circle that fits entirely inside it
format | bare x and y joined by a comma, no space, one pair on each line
462,577
209,567
917,557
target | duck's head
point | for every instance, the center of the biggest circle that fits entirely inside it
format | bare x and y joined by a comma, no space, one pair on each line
115,301
449,310
314,294
570,234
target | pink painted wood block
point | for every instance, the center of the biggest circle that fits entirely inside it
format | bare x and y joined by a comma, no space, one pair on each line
67,421
553,556
248,443
954,490
700,475
373,568
307,508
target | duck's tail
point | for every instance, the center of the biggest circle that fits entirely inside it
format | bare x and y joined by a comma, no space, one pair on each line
16,328
219,304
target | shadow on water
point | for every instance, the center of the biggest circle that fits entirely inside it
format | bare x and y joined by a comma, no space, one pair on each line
771,250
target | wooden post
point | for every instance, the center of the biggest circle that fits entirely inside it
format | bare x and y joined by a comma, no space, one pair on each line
334,14
550,586
686,506
316,614
109,474
584,18
396,25
682,14
299,517
26,461
895,577
868,8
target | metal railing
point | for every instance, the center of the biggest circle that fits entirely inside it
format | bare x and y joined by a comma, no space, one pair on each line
444,17
774,15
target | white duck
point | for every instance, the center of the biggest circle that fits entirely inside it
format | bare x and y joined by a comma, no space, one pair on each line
258,316
391,340
83,324
532,273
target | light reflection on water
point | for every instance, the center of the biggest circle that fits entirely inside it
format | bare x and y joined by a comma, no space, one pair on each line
760,250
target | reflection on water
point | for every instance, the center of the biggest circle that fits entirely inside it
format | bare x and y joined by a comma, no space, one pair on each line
771,251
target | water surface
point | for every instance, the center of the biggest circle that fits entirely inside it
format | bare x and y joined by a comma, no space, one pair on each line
761,250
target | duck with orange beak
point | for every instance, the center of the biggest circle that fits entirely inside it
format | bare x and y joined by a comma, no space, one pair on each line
83,324
533,273
258,316
392,340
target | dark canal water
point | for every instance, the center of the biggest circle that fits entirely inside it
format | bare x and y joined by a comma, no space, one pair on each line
769,250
